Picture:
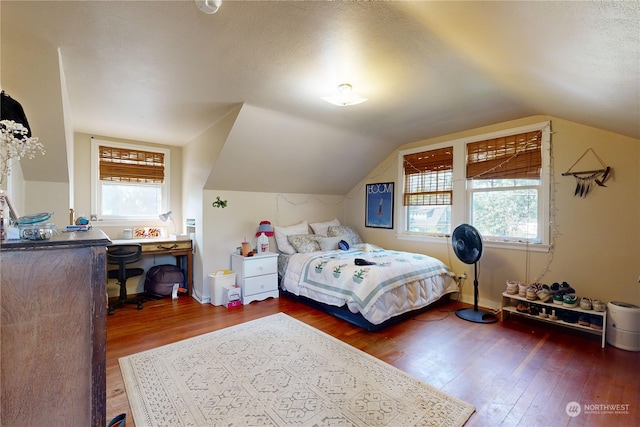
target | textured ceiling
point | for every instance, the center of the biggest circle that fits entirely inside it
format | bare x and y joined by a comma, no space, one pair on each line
164,71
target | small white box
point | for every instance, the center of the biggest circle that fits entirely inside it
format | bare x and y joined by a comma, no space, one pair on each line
231,297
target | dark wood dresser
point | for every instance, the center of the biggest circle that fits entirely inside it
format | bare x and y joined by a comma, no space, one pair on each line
53,330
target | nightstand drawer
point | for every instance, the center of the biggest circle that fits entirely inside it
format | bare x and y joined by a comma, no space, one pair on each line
258,266
260,284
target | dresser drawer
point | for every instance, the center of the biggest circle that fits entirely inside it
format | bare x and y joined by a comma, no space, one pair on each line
260,284
259,266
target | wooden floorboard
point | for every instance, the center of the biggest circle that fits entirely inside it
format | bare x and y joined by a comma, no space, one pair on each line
516,373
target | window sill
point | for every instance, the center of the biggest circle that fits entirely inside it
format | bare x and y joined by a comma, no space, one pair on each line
494,244
128,223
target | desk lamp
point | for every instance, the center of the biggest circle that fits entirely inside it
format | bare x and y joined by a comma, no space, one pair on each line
167,216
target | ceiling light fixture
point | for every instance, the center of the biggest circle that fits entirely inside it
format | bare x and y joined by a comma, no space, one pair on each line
208,6
344,97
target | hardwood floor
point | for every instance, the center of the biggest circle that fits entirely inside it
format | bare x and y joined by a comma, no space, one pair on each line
516,373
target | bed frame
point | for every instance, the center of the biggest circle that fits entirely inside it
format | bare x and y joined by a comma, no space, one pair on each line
356,318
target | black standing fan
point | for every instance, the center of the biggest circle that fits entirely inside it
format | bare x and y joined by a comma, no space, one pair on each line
467,244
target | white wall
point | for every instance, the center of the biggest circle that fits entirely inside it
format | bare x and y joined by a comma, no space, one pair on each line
50,197
226,229
199,157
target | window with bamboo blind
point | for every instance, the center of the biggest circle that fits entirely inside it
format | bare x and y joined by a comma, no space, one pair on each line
427,177
129,181
497,182
428,190
127,165
507,157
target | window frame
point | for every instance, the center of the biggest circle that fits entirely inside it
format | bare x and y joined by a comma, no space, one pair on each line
96,188
461,205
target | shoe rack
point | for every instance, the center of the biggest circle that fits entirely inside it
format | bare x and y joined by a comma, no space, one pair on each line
510,303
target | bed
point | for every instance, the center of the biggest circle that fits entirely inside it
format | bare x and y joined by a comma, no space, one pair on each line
396,284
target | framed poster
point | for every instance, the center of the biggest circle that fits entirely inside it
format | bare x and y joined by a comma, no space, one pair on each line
379,205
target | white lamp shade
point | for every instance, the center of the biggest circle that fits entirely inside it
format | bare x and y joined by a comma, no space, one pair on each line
165,216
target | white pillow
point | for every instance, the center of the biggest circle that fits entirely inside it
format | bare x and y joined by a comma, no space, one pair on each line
321,228
282,232
329,243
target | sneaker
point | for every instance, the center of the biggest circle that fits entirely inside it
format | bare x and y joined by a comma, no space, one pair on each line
557,299
570,317
522,289
570,300
544,294
596,322
512,287
531,293
599,305
584,320
585,303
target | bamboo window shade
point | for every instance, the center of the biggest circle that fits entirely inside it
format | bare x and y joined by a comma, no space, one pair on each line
127,165
428,177
510,157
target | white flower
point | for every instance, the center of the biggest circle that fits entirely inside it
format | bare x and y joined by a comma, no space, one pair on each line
15,144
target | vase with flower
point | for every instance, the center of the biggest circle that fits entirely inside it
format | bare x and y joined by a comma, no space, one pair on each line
15,143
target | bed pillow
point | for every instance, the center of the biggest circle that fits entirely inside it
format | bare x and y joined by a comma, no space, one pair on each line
348,234
304,243
321,228
282,232
329,243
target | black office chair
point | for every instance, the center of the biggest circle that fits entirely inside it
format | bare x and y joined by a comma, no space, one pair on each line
121,255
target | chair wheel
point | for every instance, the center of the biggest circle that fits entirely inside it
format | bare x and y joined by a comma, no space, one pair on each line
111,311
139,306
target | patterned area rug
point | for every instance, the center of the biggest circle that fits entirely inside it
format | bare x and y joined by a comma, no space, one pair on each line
278,371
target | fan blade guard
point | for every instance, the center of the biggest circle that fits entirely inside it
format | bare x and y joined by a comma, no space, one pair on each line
467,243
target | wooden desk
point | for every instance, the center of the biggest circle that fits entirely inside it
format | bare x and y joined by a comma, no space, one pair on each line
181,249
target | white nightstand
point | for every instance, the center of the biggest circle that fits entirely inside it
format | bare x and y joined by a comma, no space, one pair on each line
257,276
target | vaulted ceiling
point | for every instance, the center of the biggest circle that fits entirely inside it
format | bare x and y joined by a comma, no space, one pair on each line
163,71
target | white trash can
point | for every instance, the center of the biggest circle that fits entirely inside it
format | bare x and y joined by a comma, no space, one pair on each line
218,280
623,325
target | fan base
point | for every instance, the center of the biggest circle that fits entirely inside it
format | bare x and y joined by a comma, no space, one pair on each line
477,316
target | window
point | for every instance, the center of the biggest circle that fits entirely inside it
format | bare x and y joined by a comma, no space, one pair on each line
504,183
428,190
129,182
497,182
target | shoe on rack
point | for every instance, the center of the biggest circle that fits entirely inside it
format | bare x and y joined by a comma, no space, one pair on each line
570,317
564,287
512,287
584,320
544,295
585,303
570,300
596,322
522,289
557,298
599,305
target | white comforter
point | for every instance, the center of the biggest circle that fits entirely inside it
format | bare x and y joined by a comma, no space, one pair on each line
398,282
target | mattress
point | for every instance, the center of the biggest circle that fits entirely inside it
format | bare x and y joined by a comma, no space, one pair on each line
397,283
